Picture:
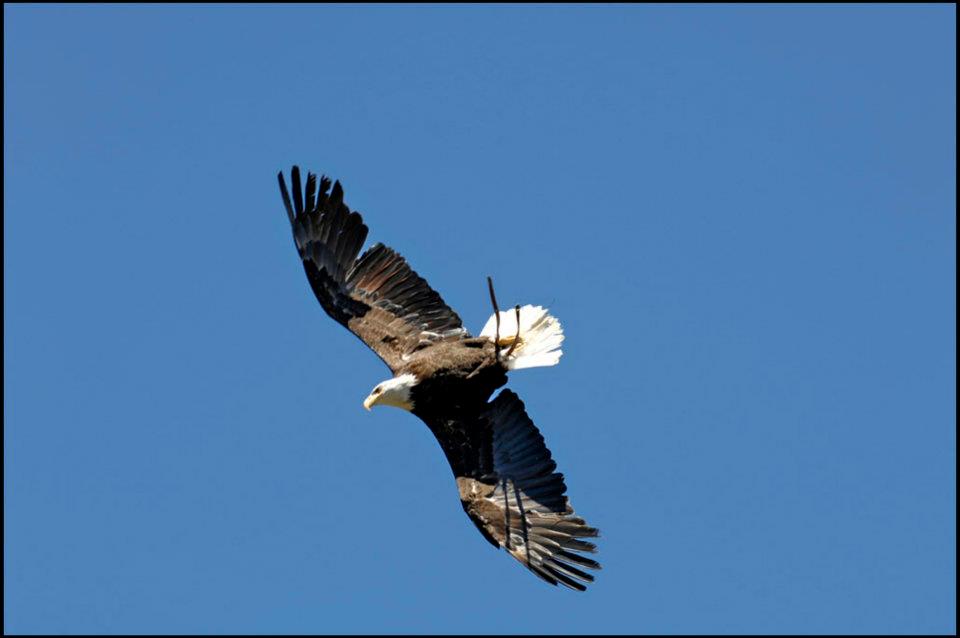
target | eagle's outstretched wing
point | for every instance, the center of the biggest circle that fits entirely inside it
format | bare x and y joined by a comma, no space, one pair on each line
509,489
378,297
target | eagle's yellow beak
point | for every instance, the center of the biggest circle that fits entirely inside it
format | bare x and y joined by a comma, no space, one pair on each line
369,402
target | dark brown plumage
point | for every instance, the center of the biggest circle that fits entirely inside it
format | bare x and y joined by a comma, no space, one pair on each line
504,472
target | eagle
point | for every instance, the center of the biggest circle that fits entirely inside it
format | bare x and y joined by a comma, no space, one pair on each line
504,472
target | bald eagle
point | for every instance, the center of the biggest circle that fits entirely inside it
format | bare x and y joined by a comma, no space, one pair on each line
504,472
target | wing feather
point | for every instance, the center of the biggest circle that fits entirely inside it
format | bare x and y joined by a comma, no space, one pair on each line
377,296
510,490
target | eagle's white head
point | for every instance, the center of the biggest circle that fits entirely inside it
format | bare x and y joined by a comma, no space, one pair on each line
395,392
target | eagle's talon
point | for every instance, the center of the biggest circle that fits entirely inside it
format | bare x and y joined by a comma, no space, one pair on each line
496,313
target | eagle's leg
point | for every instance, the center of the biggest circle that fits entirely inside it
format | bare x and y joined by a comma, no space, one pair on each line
516,339
496,313
480,368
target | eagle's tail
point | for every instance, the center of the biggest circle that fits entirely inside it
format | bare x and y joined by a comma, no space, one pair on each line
539,338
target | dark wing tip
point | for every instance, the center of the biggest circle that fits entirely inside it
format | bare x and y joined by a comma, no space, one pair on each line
336,195
285,194
297,190
311,191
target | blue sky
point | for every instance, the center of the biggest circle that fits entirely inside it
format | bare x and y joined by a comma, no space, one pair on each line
743,216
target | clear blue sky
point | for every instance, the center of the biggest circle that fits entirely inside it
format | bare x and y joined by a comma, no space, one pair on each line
743,216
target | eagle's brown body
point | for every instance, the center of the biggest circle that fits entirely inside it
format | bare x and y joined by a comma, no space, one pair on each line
454,375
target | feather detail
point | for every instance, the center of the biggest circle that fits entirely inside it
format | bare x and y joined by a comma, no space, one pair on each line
537,342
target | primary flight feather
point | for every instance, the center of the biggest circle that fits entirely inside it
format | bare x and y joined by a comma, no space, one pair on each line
505,475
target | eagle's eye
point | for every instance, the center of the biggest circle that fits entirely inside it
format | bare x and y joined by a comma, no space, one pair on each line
378,389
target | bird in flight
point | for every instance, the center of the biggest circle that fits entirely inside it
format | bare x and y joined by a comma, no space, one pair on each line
505,475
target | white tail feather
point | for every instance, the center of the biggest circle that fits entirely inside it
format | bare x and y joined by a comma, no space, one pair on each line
540,337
